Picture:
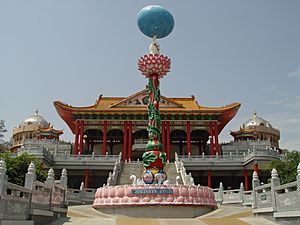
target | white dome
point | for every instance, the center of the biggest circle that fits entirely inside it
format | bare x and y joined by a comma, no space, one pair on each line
257,121
35,119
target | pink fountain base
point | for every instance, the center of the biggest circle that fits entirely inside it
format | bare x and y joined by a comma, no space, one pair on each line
158,201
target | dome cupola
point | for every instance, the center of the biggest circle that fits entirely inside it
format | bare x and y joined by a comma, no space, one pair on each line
257,121
35,119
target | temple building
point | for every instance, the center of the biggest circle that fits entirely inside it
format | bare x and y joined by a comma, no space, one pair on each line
117,125
257,128
36,132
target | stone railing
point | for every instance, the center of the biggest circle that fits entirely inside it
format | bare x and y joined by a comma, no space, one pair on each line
38,201
209,158
262,153
239,196
80,196
113,176
66,158
187,179
91,157
139,144
231,157
282,201
15,202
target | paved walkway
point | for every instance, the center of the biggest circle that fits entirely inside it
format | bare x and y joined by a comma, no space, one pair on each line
224,215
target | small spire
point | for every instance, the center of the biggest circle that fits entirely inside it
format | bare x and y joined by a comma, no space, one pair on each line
31,168
255,176
64,172
242,185
254,114
51,173
2,167
274,173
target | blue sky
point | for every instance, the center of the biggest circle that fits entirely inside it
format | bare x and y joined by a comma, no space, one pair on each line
221,51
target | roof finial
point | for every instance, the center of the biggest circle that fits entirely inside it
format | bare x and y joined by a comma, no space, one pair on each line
36,112
254,116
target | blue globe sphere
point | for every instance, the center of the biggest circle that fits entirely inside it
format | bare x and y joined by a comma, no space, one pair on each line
154,20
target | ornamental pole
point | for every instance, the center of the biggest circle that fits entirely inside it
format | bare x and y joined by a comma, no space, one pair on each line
155,22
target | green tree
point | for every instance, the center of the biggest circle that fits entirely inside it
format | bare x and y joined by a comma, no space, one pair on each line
287,167
17,168
2,130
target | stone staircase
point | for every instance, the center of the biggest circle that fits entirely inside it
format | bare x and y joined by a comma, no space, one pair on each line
128,169
171,172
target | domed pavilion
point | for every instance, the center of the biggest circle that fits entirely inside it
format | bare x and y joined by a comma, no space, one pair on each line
257,128
35,127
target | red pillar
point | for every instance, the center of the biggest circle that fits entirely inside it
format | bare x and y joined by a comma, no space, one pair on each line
125,141
81,137
209,178
163,135
216,137
75,151
168,141
86,178
129,140
256,167
246,180
211,138
188,131
104,138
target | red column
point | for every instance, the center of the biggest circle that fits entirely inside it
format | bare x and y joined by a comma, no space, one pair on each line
129,140
246,179
163,133
209,178
75,151
81,137
125,141
104,138
256,167
188,131
216,137
168,141
211,138
86,178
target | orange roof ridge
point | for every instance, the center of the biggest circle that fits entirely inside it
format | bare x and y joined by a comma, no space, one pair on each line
64,105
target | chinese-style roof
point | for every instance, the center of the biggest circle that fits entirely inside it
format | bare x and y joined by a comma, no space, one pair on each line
50,129
137,104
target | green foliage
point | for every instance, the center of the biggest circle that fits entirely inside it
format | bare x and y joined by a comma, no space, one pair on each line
17,168
287,167
2,130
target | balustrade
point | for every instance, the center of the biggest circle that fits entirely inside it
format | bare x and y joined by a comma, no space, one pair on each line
36,199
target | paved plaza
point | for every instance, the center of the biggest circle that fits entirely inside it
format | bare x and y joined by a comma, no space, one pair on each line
224,215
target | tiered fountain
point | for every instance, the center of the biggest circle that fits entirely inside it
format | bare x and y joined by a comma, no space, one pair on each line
154,196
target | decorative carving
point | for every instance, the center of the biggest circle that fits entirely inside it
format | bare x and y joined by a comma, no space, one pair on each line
128,195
